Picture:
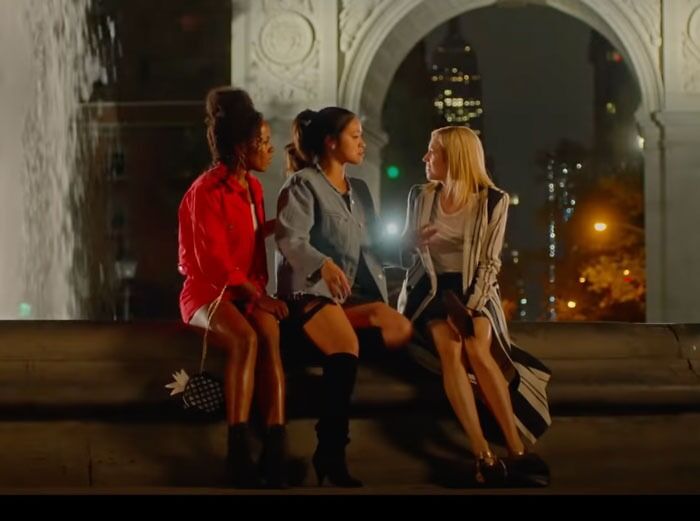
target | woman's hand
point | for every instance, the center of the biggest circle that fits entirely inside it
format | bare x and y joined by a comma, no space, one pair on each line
269,228
273,306
421,238
335,279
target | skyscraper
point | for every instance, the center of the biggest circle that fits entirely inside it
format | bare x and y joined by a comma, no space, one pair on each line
454,72
561,169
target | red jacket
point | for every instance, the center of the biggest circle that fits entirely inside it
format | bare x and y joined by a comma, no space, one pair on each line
218,246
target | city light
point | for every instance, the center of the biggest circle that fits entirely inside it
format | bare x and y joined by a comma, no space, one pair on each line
571,304
602,226
456,82
626,273
393,172
582,280
515,200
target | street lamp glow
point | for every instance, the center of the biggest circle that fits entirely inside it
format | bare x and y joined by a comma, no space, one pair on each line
392,229
603,226
626,273
582,280
393,172
571,304
25,310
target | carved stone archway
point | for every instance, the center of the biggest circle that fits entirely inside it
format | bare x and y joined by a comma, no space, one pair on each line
296,53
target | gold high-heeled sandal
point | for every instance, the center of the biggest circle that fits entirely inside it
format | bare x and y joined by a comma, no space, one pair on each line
490,469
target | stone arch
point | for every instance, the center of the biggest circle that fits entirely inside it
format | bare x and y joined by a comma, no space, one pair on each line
394,28
386,31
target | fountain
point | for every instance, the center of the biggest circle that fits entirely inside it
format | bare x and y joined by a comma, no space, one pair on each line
48,66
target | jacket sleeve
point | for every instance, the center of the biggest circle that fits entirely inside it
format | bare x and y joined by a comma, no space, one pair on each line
209,233
295,219
407,248
490,260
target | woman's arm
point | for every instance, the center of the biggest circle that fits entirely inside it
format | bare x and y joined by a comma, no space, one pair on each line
295,218
269,227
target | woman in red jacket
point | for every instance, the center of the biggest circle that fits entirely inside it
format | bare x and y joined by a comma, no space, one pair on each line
222,232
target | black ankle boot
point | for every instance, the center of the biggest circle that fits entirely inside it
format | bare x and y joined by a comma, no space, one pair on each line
241,470
527,469
331,463
273,458
332,429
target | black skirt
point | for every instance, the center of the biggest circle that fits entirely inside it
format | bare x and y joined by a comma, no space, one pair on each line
435,310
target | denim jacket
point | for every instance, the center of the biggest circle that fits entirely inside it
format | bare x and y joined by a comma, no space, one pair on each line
314,223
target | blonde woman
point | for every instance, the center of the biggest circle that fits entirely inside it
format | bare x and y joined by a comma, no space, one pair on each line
452,242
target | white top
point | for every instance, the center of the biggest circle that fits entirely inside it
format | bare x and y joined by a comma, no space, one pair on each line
255,219
447,245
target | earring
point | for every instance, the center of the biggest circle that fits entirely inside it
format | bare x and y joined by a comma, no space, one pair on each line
242,162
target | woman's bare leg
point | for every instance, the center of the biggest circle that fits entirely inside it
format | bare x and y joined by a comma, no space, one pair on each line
395,328
456,382
492,383
230,331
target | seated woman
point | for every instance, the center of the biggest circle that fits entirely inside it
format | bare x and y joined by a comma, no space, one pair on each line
330,275
222,232
452,244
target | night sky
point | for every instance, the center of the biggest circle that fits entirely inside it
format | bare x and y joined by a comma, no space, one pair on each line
537,90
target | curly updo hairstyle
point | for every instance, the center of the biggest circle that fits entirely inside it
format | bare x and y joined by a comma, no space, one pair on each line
232,123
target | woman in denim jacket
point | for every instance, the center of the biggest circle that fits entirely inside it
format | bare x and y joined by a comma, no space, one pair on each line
330,275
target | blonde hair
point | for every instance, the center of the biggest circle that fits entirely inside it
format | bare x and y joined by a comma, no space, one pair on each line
466,167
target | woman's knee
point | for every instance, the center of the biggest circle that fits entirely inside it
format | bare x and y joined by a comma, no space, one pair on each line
398,333
450,353
397,330
478,351
405,329
244,343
